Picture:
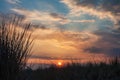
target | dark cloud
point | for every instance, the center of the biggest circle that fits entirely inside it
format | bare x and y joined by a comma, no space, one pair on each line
114,51
109,9
108,43
39,26
55,15
93,50
19,21
90,3
111,5
53,58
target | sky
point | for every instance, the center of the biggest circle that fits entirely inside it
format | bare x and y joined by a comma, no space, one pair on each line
70,29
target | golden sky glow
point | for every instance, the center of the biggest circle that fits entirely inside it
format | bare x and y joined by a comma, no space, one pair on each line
54,43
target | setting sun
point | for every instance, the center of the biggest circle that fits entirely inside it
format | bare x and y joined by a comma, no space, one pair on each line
59,63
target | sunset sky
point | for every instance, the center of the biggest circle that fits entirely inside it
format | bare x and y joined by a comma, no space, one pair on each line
70,29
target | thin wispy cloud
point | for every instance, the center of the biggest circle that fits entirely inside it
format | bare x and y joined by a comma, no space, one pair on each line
13,1
36,15
42,17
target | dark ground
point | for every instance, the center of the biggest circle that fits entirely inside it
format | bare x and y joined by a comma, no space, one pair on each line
75,71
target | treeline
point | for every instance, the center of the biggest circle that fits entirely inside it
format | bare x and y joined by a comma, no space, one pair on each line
76,71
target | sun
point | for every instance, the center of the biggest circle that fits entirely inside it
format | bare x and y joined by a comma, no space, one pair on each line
59,63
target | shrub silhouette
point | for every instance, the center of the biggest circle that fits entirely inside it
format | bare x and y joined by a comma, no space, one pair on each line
15,46
76,71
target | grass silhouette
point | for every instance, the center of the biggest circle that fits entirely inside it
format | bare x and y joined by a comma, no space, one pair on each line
77,71
15,46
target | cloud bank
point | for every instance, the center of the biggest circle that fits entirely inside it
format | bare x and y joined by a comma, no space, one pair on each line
100,8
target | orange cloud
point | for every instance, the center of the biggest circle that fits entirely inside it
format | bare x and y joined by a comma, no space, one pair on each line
58,43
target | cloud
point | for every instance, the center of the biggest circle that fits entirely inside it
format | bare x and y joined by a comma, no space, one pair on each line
102,9
84,21
93,49
36,15
64,35
108,43
13,1
55,15
47,17
55,42
54,58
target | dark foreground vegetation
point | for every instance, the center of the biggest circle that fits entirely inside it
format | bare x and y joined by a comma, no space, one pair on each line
75,71
15,48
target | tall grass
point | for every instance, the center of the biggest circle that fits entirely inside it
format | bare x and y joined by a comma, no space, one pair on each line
15,46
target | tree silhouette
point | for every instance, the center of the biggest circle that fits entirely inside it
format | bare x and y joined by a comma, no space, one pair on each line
15,46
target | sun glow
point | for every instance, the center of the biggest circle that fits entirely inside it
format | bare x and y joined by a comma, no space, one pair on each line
59,63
